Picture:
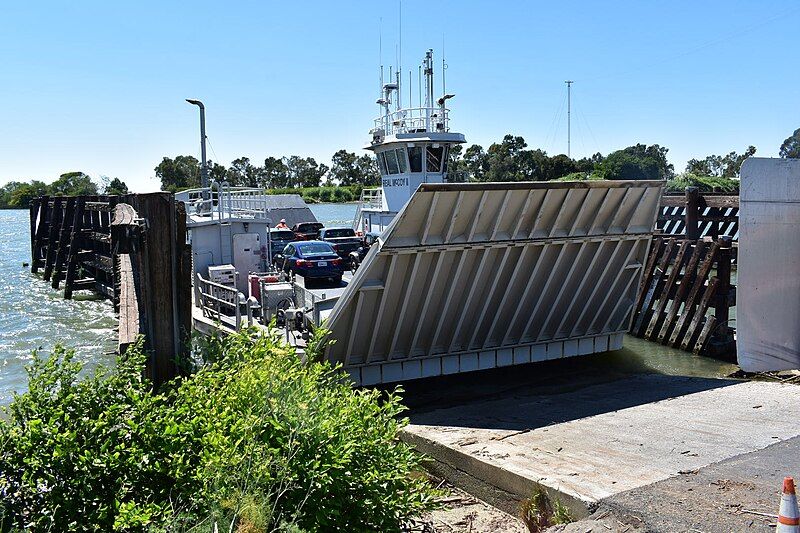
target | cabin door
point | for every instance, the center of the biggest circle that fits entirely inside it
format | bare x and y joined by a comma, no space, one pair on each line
246,257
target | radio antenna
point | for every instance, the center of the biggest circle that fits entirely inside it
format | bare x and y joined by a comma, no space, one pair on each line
419,81
444,67
400,54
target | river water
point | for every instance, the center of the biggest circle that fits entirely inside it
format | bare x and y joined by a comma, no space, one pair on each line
34,316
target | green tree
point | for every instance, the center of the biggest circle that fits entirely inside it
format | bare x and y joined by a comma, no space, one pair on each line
720,166
73,184
638,162
476,162
791,146
305,171
276,175
115,186
505,161
216,172
242,173
180,173
368,170
345,169
560,166
18,195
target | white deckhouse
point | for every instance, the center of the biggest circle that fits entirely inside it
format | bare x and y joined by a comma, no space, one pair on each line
411,146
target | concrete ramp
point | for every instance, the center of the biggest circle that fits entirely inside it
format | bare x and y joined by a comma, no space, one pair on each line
480,275
597,442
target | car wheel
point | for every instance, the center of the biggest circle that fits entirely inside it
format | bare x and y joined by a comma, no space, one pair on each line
337,280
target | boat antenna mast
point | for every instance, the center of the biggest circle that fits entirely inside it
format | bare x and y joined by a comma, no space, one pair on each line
444,67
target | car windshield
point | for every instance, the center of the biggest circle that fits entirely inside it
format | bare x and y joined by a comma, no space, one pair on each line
282,235
342,232
315,248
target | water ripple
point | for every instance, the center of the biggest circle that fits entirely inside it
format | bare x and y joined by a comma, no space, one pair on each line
33,316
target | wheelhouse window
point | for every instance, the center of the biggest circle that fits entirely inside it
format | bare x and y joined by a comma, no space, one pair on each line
401,160
391,162
382,163
433,158
415,158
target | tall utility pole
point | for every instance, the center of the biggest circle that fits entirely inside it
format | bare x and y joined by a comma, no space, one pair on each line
569,117
204,162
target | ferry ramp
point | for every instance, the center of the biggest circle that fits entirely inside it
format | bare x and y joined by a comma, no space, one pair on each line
472,276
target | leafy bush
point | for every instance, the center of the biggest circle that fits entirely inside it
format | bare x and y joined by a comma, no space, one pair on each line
78,453
704,183
581,176
254,441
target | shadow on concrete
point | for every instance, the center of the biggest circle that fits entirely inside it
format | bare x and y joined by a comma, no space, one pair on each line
540,394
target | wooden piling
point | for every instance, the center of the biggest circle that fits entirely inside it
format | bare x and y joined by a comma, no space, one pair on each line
63,242
692,213
74,250
672,307
41,231
54,226
34,213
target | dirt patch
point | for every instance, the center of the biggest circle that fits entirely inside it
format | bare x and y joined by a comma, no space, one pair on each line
463,513
603,521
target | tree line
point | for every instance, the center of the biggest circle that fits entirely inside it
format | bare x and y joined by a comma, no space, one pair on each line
507,160
18,194
346,168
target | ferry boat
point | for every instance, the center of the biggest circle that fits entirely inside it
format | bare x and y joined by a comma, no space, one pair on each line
463,276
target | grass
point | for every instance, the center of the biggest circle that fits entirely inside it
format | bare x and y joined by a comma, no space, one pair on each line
540,512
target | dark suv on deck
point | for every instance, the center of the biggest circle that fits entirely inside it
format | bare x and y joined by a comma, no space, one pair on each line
279,238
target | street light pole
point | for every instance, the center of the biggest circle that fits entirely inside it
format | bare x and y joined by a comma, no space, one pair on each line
204,162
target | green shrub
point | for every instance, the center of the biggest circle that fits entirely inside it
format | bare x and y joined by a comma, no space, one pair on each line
79,453
704,183
254,441
328,193
581,176
325,194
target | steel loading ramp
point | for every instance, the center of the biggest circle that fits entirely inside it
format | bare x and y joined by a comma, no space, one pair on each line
476,275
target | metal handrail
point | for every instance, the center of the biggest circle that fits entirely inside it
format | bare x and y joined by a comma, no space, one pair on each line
215,296
228,202
371,198
414,120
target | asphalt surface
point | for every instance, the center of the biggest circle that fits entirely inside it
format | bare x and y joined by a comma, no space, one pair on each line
722,497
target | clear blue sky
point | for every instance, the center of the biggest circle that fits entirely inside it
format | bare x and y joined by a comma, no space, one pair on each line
99,86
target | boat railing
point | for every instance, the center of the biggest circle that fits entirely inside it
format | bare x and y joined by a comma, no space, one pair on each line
372,199
223,303
225,202
414,120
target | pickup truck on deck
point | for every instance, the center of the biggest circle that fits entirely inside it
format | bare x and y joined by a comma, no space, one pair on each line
307,231
343,240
